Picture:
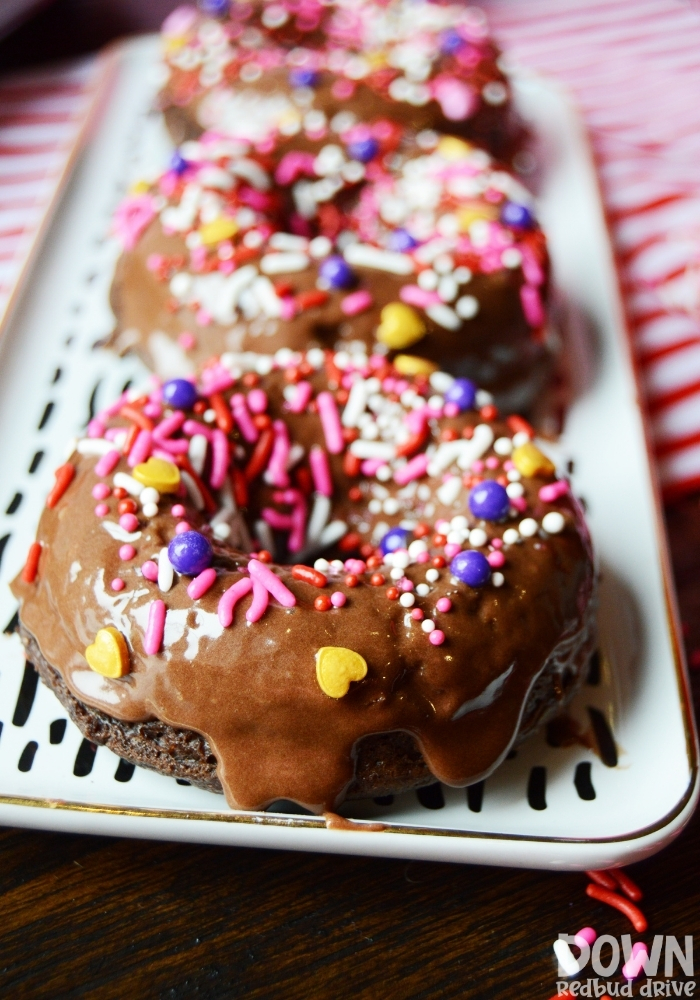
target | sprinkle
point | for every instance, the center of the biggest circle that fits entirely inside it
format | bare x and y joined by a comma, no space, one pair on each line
224,420
309,575
284,263
109,653
336,668
530,461
276,474
400,326
230,598
302,395
356,302
168,426
322,603
436,637
630,888
101,510
153,638
242,417
101,491
553,522
261,454
632,912
528,527
166,575
428,625
444,604
338,599
141,448
496,559
32,564
553,491
407,600
117,584
64,476
565,957
107,463
363,255
357,401
259,572
126,482
444,316
127,552
330,422
260,601
150,570
320,471
532,305
201,584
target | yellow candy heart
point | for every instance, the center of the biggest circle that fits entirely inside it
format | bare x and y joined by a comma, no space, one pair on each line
400,326
470,214
218,230
530,461
336,667
157,472
409,364
109,653
452,148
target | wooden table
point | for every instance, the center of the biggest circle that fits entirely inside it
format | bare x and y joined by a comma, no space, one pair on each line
98,919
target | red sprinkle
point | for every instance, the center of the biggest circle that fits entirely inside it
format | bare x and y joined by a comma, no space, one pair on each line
127,507
518,424
239,487
224,417
351,580
136,417
32,564
119,492
309,575
349,542
264,556
439,540
374,562
392,593
439,562
307,300
64,477
421,530
355,494
130,439
351,464
603,878
261,455
488,412
632,912
323,603
377,580
630,888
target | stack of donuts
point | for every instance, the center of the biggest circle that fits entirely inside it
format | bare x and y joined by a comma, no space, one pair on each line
317,555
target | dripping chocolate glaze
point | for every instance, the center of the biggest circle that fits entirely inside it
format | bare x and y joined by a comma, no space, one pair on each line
251,689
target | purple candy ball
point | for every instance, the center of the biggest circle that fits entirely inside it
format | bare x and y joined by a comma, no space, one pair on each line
337,272
401,240
302,76
471,567
363,150
489,501
462,393
395,538
178,163
450,42
216,8
517,216
180,393
190,553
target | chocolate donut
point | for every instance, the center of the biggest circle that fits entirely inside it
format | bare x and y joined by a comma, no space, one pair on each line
432,600
253,65
417,246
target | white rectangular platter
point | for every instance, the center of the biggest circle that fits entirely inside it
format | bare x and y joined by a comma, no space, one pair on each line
545,807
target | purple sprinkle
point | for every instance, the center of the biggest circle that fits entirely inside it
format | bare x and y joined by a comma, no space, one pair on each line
302,76
401,240
462,393
471,567
489,501
337,272
190,553
363,150
517,216
180,393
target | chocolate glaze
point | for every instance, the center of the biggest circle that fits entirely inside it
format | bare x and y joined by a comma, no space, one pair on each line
251,689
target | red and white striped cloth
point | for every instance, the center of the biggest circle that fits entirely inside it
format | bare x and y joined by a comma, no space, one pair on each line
42,114
633,66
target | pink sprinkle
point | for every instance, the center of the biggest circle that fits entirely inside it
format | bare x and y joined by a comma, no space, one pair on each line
267,578
101,491
168,448
168,426
442,526
457,100
320,471
219,460
301,397
181,527
242,417
330,421
414,469
370,466
451,409
338,599
492,462
259,604
102,510
150,570
520,503
117,584
276,473
496,559
587,934
356,566
153,410
414,295
231,597
257,401
201,584
343,89
532,305
95,429
126,552
187,341
451,550
423,557
276,520
444,604
550,492
634,965
177,510
129,522
405,585
154,630
417,615
356,302
141,449
107,463
477,466
436,637
203,317
113,408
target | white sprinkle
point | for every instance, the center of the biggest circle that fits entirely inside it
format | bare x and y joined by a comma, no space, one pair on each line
287,241
521,438
514,476
222,531
444,316
320,512
355,406
422,589
503,446
192,490
553,522
428,280
407,600
441,381
315,356
319,247
478,538
448,288
119,534
128,483
373,449
322,565
511,257
94,446
498,579
483,398
362,255
449,491
332,533
417,548
391,506
528,527
467,307
150,509
166,574
428,625
397,573
511,536
515,490
197,452
149,495
432,576
284,263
